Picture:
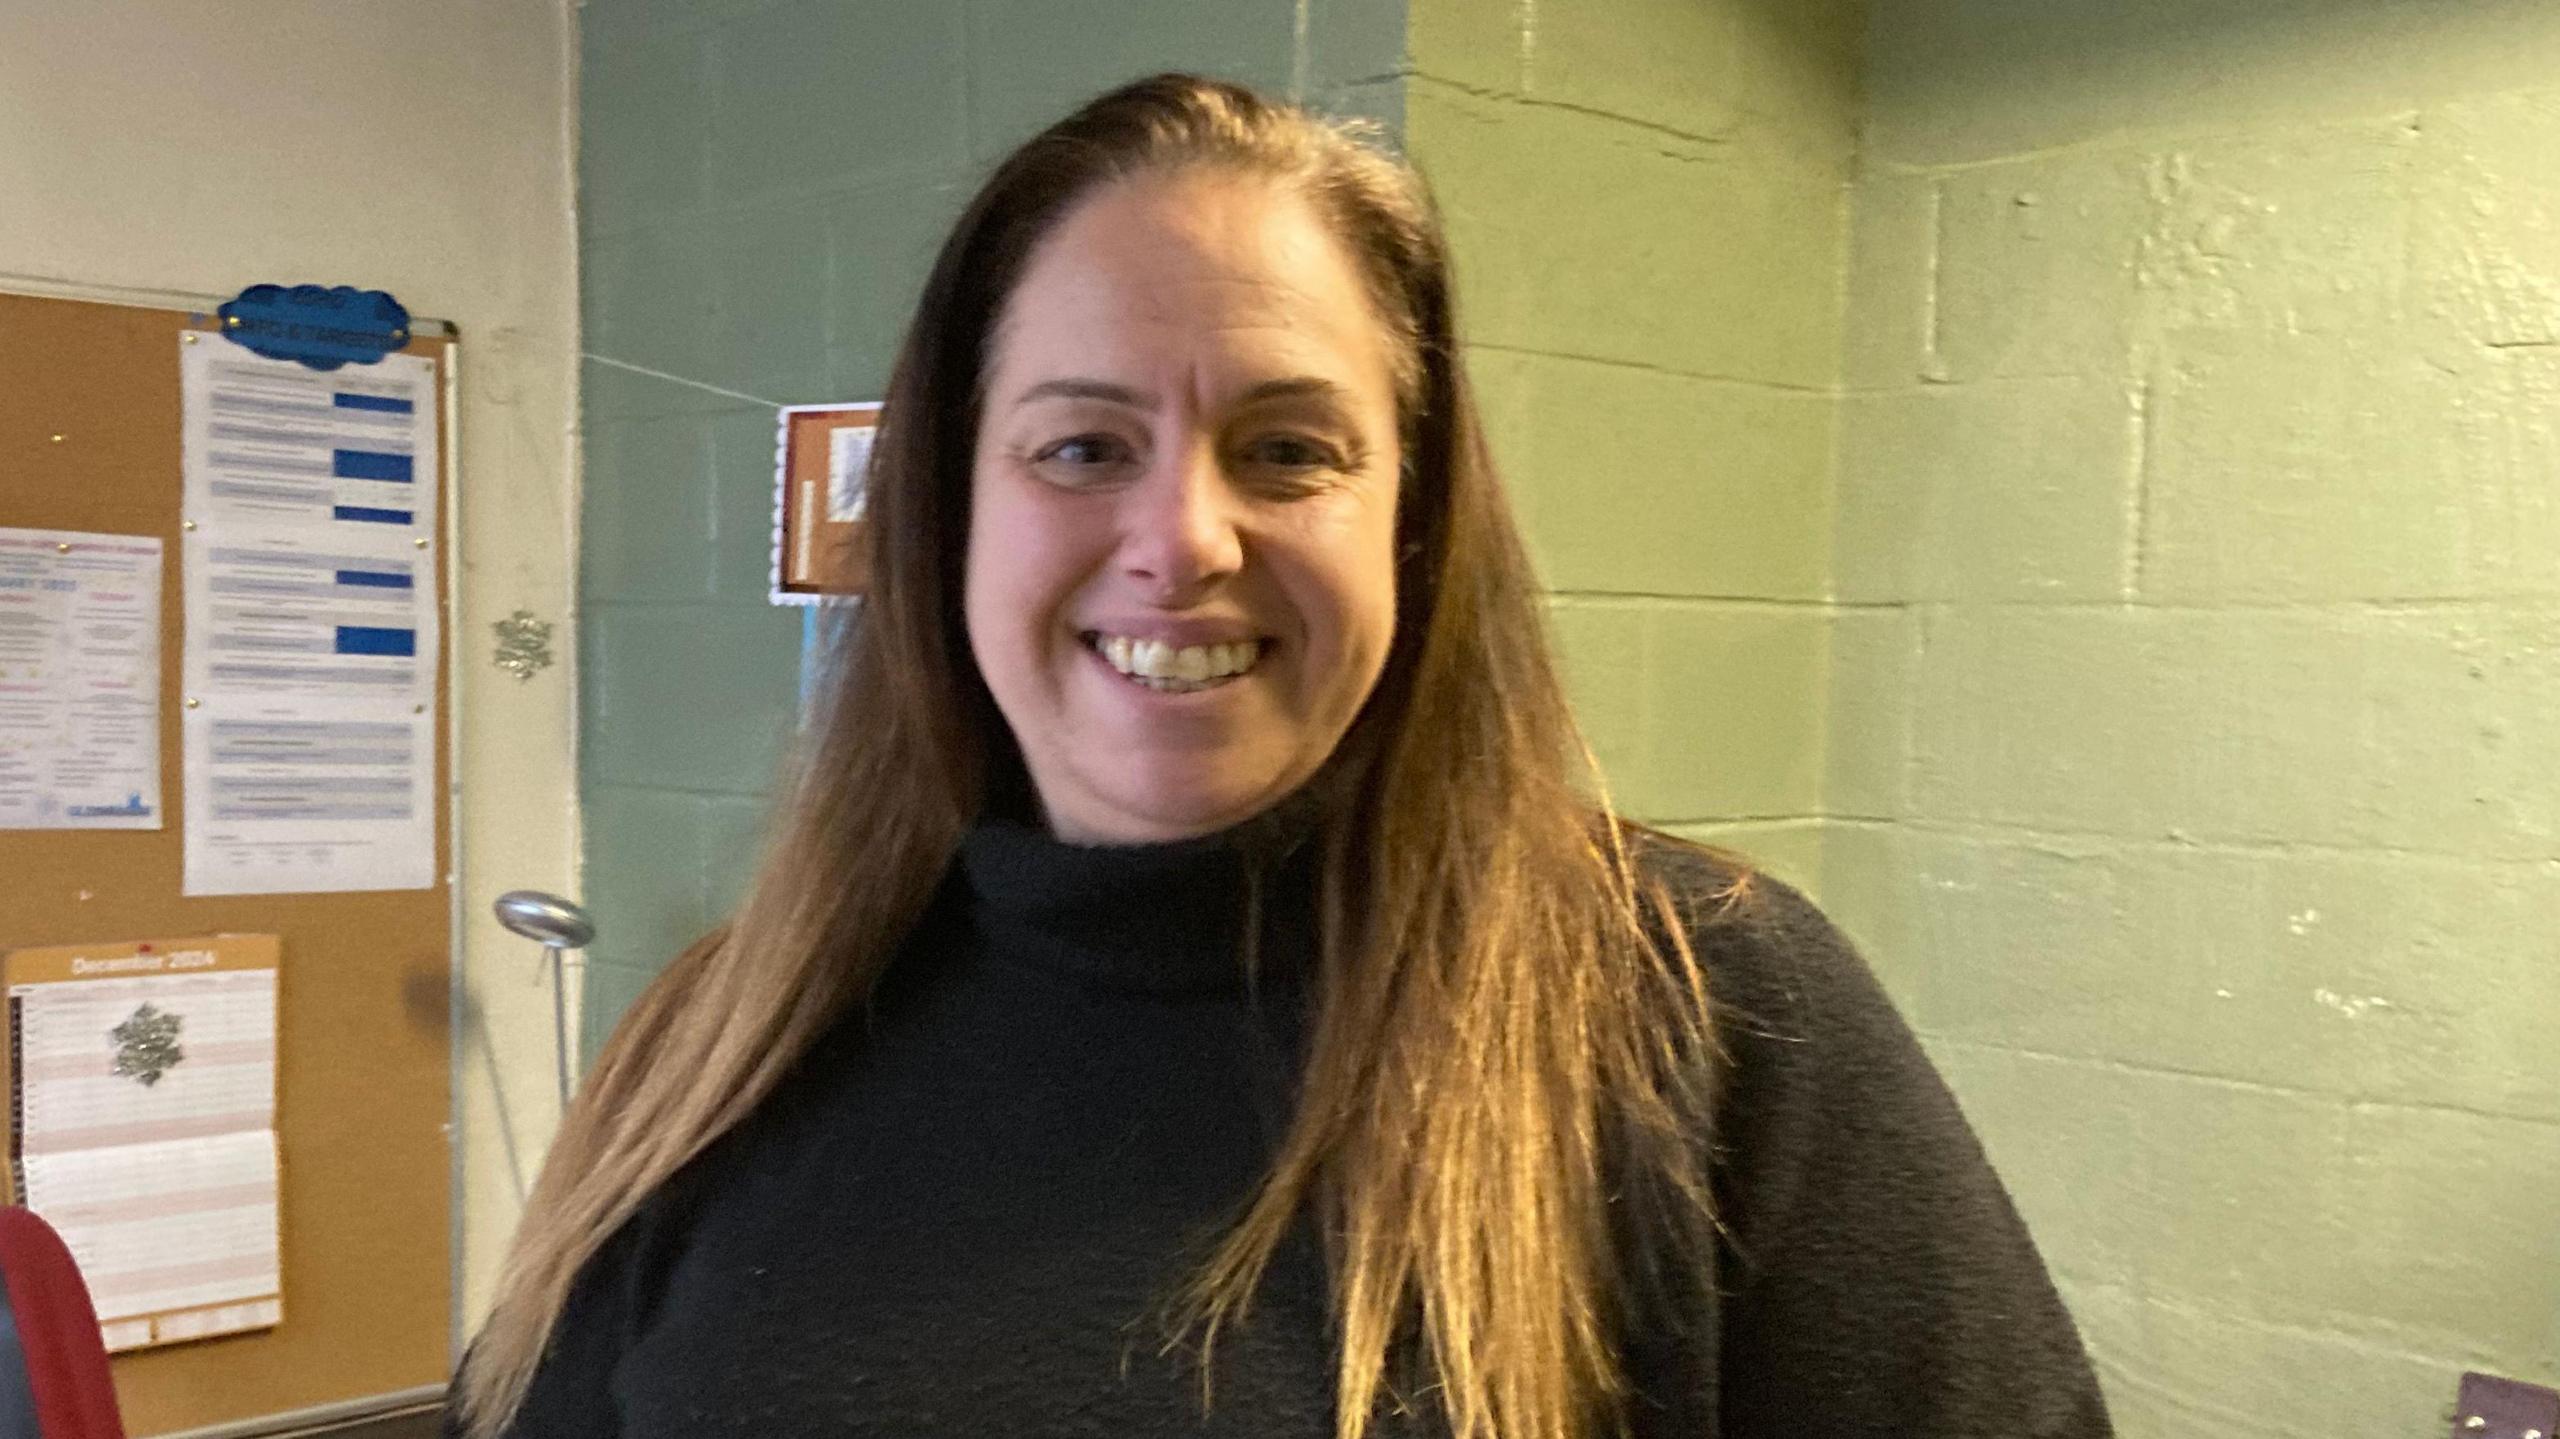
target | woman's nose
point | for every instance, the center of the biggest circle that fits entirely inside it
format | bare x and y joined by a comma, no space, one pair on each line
1180,532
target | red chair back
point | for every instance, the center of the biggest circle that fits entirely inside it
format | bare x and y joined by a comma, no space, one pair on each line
58,1331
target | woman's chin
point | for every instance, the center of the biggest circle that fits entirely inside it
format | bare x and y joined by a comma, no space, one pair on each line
1160,809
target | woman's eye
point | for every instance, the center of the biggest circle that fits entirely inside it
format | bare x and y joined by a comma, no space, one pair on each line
1083,452
1294,452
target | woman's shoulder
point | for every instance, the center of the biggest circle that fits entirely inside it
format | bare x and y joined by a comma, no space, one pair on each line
1812,1056
1770,955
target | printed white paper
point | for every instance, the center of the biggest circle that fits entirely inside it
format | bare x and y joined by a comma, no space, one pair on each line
79,1086
145,1123
319,617
848,465
280,801
312,625
79,680
347,451
182,1225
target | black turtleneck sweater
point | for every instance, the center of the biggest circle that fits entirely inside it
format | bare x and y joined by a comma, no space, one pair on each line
960,1215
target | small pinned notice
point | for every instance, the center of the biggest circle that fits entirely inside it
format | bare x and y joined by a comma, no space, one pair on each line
143,1127
821,470
79,680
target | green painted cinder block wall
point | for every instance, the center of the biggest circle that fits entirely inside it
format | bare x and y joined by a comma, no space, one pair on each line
1648,204
761,186
2194,752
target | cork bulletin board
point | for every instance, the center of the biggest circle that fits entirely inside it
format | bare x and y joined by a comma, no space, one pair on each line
90,441
822,457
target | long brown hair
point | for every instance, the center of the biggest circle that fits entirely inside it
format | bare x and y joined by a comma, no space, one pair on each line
1510,1040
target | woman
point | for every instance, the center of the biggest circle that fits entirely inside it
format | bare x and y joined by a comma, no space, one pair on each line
1193,990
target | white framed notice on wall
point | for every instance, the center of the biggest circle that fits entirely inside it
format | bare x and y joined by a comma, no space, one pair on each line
821,470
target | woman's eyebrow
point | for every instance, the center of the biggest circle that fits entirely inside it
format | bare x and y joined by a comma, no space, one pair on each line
1297,387
1291,388
1080,389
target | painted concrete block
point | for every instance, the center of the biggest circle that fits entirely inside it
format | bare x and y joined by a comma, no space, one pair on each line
2471,972
1652,483
1735,723
771,279
643,127
2036,267
1604,650
733,837
2195,1190
735,300
2298,232
1354,43
2175,1370
2315,468
1873,696
607,990
609,392
689,698
1954,81
649,510
1478,44
1505,386
1032,62
2415,730
644,851
1865,891
880,246
1577,234
2383,977
790,116
740,504
2023,944
1798,87
2486,241
2453,1242
2001,490
1667,63
1893,258
645,18
2370,977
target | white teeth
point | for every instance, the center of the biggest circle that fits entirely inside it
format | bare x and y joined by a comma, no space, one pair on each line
1160,666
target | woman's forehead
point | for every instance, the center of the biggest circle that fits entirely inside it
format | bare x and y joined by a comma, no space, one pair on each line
1171,269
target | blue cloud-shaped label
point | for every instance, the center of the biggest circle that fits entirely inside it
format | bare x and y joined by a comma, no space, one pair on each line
323,326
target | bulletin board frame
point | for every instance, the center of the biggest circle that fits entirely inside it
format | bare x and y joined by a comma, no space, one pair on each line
90,426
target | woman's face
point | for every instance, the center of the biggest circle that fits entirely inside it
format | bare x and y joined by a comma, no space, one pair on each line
1181,566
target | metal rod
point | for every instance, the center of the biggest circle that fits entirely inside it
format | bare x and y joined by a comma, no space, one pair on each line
560,1021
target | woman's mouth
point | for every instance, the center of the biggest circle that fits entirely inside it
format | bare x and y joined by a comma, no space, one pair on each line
1168,669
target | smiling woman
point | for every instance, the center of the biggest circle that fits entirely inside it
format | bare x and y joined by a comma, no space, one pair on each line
1196,987
1181,570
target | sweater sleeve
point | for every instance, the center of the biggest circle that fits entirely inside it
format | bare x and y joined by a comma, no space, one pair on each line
1874,1277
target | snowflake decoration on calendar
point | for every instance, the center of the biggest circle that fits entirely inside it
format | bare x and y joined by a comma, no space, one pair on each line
147,1045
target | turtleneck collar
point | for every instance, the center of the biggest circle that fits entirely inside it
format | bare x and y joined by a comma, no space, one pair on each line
1162,918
